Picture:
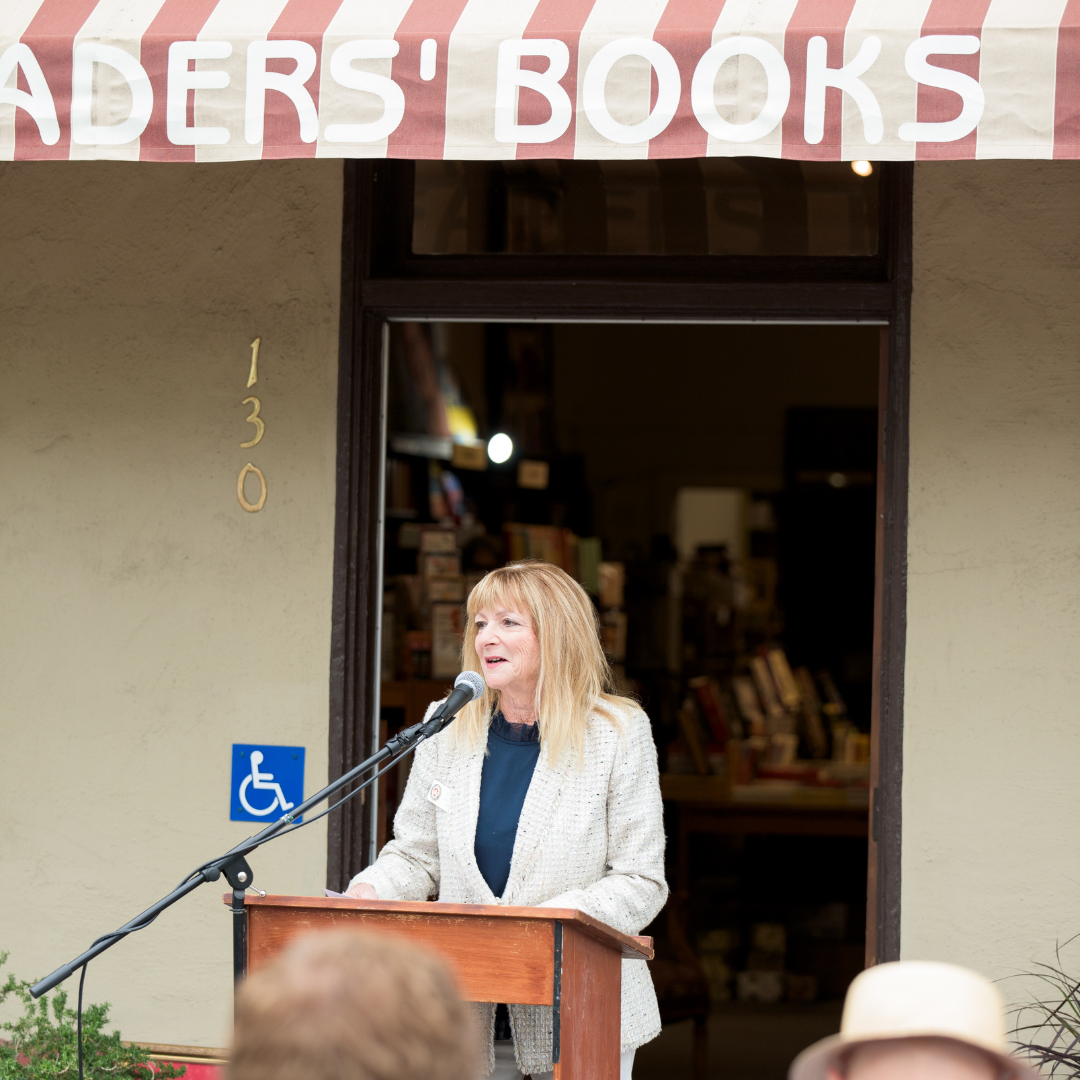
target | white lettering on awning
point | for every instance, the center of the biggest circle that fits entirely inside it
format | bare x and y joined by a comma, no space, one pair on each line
83,129
669,90
39,101
917,65
181,81
344,74
847,78
511,76
259,80
703,89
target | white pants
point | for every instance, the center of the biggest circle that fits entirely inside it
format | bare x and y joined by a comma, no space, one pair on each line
506,1067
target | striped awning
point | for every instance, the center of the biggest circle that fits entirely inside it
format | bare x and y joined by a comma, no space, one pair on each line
223,80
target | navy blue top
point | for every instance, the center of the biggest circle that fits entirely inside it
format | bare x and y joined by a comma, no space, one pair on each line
512,753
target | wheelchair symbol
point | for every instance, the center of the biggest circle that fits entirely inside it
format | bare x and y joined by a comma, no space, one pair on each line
262,781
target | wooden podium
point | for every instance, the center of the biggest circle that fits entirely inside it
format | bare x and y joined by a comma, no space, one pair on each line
517,955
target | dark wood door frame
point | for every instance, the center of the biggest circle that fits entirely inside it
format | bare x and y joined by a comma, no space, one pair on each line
890,595
368,302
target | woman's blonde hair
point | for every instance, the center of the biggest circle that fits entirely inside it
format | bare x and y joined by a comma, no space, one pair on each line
575,677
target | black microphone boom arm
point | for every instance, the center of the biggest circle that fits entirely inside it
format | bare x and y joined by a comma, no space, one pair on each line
233,864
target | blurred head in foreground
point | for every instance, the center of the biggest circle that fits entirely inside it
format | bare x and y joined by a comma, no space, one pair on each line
350,1005
916,1020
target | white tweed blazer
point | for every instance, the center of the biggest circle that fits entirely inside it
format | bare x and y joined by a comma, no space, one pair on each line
590,837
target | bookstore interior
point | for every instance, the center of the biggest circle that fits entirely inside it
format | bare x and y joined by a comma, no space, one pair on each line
713,489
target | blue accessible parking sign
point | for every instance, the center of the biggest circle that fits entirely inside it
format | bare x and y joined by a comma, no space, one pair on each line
267,781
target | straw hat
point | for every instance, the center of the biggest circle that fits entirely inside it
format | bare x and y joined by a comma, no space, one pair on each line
916,999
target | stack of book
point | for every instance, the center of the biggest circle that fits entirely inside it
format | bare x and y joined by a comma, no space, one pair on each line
545,542
611,590
768,733
422,612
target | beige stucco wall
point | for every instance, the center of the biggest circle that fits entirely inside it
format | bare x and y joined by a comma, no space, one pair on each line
146,621
991,851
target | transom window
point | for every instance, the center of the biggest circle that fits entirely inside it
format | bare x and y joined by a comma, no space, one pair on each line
709,206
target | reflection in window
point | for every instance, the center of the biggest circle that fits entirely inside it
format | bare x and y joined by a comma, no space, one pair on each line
709,206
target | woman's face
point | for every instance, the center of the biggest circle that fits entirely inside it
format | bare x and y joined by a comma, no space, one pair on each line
508,650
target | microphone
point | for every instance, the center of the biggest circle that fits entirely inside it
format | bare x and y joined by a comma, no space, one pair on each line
468,686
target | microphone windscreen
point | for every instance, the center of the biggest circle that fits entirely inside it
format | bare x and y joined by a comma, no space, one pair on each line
473,681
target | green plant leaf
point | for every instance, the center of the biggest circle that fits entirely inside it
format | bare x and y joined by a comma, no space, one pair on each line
42,1043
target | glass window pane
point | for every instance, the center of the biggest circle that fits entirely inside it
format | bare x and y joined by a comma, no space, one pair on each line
710,206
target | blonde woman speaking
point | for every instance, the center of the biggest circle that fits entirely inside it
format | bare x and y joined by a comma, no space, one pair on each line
548,794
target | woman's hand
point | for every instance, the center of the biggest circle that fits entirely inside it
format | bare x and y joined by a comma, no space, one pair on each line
362,891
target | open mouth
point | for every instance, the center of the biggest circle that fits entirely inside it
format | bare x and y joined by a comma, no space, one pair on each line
492,660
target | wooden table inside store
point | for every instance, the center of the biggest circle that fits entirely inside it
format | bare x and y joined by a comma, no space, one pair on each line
708,804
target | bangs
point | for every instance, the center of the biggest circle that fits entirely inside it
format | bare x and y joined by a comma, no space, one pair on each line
493,590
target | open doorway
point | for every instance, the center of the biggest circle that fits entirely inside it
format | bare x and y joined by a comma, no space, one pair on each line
713,488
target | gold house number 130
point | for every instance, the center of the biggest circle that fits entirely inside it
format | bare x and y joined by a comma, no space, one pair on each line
260,430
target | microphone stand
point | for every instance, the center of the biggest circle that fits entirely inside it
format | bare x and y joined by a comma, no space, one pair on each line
234,865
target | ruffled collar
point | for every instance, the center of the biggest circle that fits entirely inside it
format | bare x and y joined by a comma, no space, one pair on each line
516,733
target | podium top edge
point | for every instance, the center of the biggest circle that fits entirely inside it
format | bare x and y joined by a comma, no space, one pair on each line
633,947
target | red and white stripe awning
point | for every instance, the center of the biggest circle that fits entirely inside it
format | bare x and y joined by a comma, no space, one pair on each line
224,80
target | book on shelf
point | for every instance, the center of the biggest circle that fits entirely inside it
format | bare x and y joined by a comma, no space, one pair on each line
446,635
707,691
612,582
446,587
783,748
613,632
786,687
743,756
411,588
736,727
438,506
690,725
417,658
399,494
813,726
548,543
855,747
766,688
440,565
749,706
588,551
834,703
436,540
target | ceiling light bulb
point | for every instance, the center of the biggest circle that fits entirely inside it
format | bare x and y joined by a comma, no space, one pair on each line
862,168
500,447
